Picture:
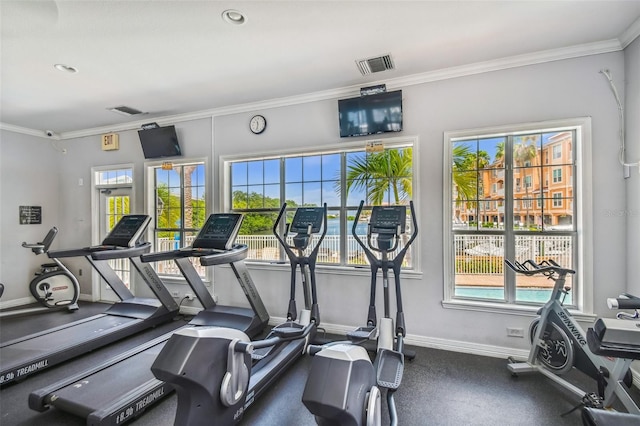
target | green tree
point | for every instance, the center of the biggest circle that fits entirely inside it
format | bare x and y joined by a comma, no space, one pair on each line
381,172
257,223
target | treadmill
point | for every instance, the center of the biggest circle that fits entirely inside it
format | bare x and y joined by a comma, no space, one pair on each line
22,357
123,387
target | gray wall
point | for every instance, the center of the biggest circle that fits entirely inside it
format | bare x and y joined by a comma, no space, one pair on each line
555,90
632,109
28,177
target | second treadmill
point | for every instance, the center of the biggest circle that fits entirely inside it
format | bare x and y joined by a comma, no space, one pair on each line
24,356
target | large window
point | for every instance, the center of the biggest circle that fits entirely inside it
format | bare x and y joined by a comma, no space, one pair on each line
486,225
340,177
179,209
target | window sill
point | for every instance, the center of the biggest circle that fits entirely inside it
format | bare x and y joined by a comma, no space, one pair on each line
508,309
326,269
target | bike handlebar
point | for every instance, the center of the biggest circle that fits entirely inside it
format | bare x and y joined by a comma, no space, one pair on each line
546,267
625,301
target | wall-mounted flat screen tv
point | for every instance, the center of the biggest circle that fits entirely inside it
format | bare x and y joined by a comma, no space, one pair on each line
159,142
370,114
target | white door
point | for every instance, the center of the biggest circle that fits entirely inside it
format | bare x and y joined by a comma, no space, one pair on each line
114,203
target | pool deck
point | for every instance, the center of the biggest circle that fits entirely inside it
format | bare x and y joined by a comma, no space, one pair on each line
491,280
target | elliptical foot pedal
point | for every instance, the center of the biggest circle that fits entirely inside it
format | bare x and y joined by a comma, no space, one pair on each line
389,367
362,334
258,354
288,330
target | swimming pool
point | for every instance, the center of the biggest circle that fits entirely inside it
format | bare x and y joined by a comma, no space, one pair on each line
535,295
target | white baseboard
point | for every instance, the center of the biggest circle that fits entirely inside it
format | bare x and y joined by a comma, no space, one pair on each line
432,342
17,302
189,310
86,298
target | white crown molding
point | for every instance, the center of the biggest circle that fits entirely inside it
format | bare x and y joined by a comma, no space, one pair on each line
630,34
26,131
588,49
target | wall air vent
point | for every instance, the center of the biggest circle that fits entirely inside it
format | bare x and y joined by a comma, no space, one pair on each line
125,110
376,64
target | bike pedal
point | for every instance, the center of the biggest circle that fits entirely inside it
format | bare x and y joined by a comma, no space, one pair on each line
592,400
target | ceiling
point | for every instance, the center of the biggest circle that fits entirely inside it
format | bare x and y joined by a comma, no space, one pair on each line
169,58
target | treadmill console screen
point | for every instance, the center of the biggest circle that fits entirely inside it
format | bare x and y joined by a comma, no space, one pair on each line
306,216
385,219
127,231
219,232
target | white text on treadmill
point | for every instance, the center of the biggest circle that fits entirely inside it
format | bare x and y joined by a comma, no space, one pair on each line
149,399
31,368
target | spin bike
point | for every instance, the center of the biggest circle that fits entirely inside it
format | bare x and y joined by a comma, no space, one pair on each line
558,344
343,387
54,286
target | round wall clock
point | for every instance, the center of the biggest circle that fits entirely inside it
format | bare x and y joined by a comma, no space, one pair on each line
257,124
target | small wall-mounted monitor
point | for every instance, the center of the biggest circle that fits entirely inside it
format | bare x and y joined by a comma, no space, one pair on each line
371,114
159,142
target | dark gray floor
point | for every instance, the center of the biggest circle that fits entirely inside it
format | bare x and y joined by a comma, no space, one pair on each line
438,388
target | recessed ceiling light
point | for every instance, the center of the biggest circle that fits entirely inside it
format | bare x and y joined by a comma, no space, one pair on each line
234,17
66,68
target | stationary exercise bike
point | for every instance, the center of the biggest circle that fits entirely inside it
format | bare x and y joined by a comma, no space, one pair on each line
54,286
344,386
219,372
558,344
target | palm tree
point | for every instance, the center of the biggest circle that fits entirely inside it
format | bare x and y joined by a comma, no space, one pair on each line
377,173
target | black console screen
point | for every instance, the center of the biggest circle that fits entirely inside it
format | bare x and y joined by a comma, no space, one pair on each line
219,232
127,231
306,216
386,219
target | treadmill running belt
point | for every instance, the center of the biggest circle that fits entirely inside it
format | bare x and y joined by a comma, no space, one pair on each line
104,388
60,340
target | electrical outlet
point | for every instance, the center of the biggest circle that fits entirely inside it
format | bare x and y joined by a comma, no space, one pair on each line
188,296
515,332
175,293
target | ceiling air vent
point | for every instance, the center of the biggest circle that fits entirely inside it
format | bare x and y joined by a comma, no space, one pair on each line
376,64
125,110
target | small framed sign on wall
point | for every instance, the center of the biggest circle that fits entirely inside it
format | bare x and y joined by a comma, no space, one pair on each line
30,215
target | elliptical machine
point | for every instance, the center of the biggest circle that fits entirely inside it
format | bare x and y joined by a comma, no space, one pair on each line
54,286
219,372
343,387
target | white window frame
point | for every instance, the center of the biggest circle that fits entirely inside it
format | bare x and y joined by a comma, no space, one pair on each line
149,205
557,175
584,220
225,191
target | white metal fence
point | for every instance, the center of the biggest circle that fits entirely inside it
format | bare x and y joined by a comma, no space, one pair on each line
484,254
474,254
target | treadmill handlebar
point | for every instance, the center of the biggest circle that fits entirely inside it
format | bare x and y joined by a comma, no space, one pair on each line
217,256
235,254
166,255
84,251
115,252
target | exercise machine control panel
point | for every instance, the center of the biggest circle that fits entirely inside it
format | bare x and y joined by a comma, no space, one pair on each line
305,217
386,219
219,232
128,231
